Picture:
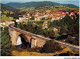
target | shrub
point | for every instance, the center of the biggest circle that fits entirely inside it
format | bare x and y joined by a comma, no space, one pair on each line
6,46
36,49
5,43
50,47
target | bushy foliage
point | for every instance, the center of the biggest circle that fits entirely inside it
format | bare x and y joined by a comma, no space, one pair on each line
35,29
5,43
9,12
66,25
4,18
50,47
39,4
74,40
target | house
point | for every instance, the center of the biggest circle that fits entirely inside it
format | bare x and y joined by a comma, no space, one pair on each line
52,19
52,15
55,30
37,18
2,24
17,20
8,22
45,25
21,18
12,21
72,13
67,12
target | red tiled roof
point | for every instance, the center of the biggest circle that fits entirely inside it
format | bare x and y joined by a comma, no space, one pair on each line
8,20
17,19
21,17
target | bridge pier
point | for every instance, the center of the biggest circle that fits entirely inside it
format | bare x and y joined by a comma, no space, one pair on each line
33,43
14,36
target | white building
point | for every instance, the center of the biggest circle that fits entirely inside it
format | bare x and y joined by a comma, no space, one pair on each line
17,20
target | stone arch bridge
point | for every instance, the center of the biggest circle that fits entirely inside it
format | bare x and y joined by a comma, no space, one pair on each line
35,40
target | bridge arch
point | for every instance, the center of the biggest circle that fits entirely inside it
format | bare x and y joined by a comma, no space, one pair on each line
24,41
27,41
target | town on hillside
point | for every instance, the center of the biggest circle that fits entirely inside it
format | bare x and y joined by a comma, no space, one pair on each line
37,16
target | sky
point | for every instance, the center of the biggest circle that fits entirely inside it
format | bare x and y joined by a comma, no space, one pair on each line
75,2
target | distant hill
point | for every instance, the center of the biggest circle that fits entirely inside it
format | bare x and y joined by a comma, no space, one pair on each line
38,4
70,5
5,7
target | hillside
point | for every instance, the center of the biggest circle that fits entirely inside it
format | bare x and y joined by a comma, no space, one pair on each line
38,4
70,5
5,7
8,13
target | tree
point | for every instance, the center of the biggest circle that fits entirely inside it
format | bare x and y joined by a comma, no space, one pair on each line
74,41
50,47
15,23
5,43
32,18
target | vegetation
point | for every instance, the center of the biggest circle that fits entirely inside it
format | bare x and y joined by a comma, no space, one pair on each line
50,47
66,54
34,28
66,25
5,43
8,13
26,53
43,9
73,39
56,9
38,4
5,7
4,18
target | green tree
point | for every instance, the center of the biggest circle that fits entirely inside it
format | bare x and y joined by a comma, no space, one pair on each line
50,47
5,43
32,18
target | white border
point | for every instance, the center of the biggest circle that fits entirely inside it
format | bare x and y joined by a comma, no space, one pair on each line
0,31
79,27
40,57
44,57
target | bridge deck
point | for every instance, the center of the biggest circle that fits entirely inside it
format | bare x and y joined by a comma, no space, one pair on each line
43,38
